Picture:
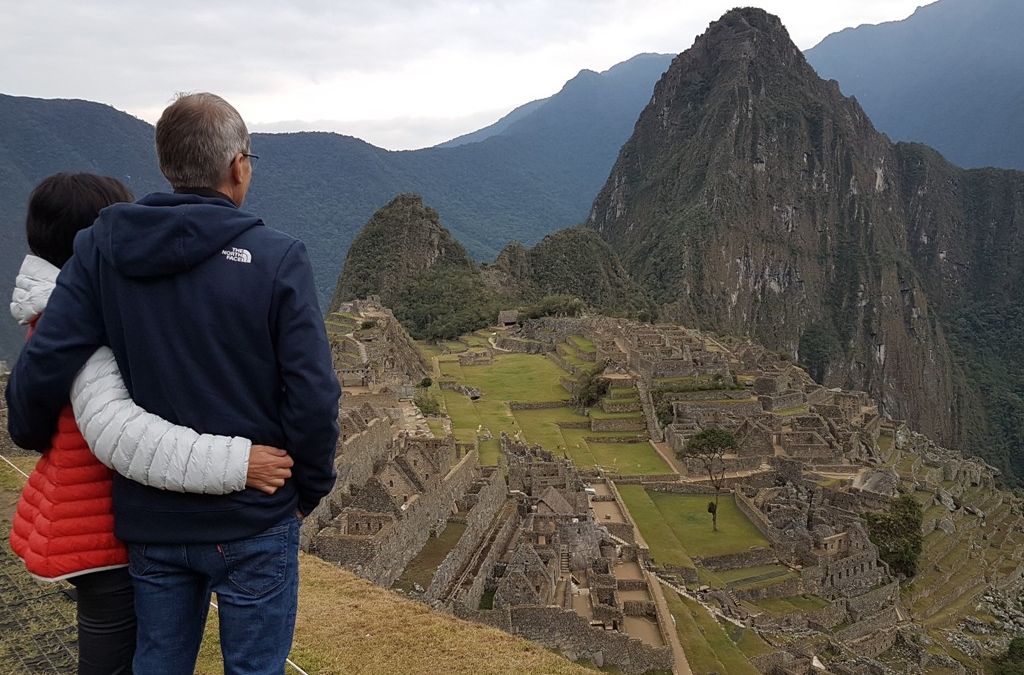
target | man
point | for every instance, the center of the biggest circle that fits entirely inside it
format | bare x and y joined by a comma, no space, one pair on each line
214,323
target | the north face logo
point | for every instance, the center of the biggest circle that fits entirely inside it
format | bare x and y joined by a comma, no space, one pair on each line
237,255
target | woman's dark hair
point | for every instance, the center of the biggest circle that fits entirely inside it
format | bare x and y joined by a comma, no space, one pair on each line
62,205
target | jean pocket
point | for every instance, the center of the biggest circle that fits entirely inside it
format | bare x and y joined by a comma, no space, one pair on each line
138,563
257,566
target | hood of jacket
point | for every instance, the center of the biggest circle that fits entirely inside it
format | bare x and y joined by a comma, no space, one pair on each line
164,234
32,289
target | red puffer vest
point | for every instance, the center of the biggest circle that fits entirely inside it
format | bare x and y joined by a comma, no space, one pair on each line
64,524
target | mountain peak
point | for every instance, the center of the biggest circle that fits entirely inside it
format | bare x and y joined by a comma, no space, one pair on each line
403,238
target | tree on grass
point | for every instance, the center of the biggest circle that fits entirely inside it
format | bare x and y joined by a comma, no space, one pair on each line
709,448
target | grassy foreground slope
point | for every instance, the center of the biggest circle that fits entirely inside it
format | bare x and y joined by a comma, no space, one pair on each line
348,625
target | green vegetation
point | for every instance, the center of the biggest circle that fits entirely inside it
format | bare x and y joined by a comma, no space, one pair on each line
707,646
532,378
443,303
1012,662
578,262
427,402
674,528
558,304
818,346
897,534
792,605
590,388
987,339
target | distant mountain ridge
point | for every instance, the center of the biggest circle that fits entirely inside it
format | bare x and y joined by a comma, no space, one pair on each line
632,82
951,75
323,187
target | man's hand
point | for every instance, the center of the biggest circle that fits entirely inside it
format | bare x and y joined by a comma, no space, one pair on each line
269,468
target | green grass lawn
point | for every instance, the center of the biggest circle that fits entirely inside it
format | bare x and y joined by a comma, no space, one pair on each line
475,340
707,646
629,458
436,426
582,344
677,527
467,416
747,639
450,368
420,569
790,605
666,549
541,426
517,377
688,517
753,577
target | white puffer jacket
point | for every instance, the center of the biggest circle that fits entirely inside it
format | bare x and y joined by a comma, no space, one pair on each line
137,444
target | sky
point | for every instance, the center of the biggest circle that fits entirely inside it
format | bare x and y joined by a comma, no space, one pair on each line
400,74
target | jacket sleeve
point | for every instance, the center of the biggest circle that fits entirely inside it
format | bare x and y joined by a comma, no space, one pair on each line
309,402
66,335
145,447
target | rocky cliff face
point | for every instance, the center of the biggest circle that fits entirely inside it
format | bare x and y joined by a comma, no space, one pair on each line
754,198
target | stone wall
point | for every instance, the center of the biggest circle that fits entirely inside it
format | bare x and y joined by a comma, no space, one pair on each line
695,467
789,399
873,601
513,344
887,618
392,549
478,521
476,358
732,561
613,424
356,456
483,562
570,633
739,408
781,590
535,405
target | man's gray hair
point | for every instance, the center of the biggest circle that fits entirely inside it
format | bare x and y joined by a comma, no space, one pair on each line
197,136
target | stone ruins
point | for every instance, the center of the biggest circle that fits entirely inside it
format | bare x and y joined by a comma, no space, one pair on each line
547,550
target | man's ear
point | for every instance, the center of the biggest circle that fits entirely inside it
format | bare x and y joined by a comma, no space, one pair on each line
237,175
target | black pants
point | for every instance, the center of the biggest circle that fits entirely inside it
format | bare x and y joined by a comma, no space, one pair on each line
106,622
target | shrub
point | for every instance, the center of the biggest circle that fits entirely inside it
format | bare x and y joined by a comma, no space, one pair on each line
425,383
590,388
555,305
427,402
897,534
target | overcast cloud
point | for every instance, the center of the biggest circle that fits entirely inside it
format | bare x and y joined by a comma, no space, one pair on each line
397,73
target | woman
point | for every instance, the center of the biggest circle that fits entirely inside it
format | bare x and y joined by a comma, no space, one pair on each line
64,528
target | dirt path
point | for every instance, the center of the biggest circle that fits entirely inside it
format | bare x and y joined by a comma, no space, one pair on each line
682,666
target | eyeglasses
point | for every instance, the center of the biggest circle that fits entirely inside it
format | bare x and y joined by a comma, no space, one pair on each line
252,158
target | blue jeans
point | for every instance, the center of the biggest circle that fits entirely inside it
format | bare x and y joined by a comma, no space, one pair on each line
256,581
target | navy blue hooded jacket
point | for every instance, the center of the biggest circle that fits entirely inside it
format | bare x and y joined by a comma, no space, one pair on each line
214,322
